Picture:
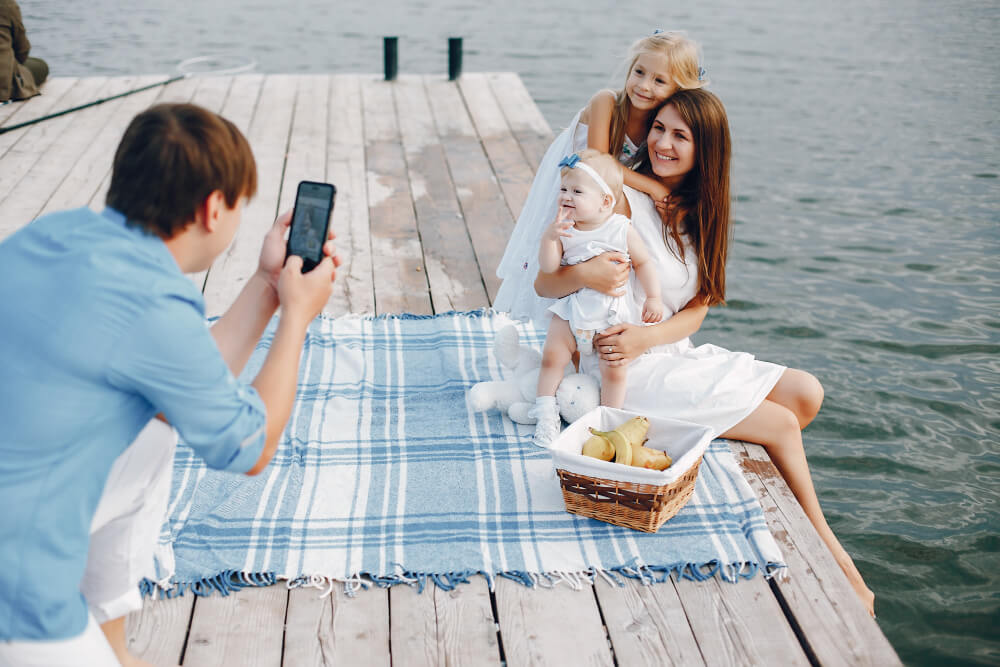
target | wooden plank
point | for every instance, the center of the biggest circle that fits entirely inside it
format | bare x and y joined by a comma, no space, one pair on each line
488,219
268,136
550,626
452,271
397,265
835,623
354,289
739,624
36,107
337,629
242,629
647,624
158,632
439,627
526,122
513,171
70,156
84,179
36,141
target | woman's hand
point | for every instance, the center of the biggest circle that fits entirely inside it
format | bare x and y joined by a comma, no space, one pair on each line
620,344
607,273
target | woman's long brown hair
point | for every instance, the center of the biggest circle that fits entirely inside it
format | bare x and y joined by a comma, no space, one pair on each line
699,207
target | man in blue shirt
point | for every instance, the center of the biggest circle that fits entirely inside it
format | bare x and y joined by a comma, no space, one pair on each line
101,331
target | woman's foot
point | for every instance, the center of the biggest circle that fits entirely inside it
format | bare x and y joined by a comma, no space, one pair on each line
854,577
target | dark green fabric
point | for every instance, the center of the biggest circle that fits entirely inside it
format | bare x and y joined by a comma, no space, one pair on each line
17,82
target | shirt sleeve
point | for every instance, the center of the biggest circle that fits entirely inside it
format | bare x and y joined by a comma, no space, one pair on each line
18,35
169,357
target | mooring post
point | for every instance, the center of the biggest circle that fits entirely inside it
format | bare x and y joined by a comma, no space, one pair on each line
454,58
390,55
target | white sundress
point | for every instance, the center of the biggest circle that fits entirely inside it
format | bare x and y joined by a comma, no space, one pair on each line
519,265
706,384
586,309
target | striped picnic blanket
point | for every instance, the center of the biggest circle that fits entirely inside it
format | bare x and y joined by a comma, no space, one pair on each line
385,475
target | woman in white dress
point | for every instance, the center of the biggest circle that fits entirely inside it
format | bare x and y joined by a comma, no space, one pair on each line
688,150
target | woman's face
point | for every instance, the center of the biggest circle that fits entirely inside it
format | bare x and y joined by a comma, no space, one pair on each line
671,146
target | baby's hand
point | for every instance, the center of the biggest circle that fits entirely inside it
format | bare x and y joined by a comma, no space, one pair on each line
652,309
559,227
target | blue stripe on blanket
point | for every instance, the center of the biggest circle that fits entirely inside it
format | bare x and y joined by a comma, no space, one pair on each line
385,472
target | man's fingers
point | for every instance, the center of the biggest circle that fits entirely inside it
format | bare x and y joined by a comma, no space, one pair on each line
284,220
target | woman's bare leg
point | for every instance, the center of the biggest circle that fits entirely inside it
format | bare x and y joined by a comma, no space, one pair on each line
800,392
777,428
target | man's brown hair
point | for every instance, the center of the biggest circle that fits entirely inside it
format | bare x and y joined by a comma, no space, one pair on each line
171,158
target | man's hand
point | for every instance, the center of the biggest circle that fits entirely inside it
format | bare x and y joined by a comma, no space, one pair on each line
303,295
272,253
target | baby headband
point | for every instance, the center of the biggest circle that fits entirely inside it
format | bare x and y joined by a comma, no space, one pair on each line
573,162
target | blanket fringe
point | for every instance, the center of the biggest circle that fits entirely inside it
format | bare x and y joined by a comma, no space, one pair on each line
231,581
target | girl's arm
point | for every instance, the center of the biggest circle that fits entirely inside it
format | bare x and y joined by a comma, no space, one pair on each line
622,343
651,186
597,116
598,119
652,309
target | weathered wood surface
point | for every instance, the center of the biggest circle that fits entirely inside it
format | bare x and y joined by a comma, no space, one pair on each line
431,176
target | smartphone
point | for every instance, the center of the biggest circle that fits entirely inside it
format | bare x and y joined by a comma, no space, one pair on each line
310,222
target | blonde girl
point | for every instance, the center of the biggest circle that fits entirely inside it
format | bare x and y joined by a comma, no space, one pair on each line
613,122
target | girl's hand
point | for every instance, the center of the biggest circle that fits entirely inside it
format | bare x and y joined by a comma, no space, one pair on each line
559,227
607,273
659,193
653,309
620,344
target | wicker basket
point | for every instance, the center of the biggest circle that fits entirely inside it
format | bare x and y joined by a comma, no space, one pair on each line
642,507
635,498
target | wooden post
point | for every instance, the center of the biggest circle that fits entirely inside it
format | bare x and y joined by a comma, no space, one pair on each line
390,54
454,58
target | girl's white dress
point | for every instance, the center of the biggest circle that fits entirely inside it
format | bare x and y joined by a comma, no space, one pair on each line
519,264
586,309
706,384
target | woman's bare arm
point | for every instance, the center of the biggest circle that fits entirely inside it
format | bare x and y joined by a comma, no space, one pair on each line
605,273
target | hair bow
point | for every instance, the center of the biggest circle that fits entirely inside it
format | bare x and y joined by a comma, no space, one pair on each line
570,161
657,31
701,73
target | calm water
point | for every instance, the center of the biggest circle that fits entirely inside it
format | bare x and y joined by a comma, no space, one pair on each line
867,232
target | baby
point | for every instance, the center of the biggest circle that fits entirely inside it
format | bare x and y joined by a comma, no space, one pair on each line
587,226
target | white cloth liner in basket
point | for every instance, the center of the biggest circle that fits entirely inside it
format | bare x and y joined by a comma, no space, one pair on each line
685,442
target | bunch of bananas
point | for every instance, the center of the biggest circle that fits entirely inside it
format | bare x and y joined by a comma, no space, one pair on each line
625,445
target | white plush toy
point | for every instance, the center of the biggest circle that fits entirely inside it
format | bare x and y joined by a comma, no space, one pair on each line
515,394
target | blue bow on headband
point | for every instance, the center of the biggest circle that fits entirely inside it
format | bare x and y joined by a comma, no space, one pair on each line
570,161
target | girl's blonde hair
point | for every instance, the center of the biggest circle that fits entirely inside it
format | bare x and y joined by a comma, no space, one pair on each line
606,166
683,58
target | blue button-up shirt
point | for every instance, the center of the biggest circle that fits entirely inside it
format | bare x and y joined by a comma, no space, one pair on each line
99,331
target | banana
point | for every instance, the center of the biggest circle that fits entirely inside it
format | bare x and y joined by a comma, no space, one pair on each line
623,448
625,445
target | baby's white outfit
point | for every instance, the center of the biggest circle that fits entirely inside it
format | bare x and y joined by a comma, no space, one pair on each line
589,311
519,265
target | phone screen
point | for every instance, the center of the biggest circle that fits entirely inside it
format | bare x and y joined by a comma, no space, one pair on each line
310,220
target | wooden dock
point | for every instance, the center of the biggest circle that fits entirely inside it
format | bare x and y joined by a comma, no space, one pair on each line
431,175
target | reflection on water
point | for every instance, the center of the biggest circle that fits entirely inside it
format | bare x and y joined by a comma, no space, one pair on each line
866,167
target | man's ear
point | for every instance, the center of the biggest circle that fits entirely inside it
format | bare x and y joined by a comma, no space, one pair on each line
208,211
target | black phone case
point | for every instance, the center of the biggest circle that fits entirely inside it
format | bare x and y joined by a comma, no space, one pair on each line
309,262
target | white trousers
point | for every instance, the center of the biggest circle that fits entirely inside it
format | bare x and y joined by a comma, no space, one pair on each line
123,535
